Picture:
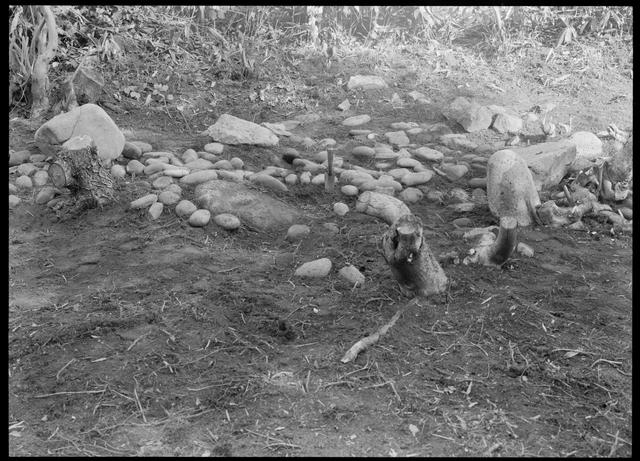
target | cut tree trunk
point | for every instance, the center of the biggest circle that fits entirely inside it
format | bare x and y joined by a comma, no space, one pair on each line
492,251
411,261
83,173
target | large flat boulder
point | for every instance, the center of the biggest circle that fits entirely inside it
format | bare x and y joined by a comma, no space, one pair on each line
255,208
233,130
86,120
549,162
468,113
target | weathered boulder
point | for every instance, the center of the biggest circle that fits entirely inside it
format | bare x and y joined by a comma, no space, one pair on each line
588,145
471,115
255,208
90,120
510,187
366,82
507,123
549,162
233,130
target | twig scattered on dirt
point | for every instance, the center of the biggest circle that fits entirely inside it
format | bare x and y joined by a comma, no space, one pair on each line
228,270
135,393
60,371
611,362
279,442
42,396
361,345
136,341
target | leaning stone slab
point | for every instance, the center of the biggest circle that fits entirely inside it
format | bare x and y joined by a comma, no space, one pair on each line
90,120
233,130
511,191
549,162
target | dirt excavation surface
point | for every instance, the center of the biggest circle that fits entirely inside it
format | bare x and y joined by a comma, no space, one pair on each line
131,336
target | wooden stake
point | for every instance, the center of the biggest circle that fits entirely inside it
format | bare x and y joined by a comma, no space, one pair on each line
329,177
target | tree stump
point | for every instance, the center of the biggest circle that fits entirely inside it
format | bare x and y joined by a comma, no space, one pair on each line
81,171
492,251
411,261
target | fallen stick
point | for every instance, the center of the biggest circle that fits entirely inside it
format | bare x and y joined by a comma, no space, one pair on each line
361,345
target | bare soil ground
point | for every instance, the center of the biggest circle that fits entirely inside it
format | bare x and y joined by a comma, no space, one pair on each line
137,337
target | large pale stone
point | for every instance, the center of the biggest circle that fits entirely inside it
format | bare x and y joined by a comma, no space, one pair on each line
414,179
318,268
588,145
366,82
471,115
549,162
233,130
356,120
510,187
254,208
90,120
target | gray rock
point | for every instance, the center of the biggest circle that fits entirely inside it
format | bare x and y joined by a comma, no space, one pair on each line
340,208
131,150
223,165
549,162
14,201
24,182
462,222
185,209
352,275
435,196
143,202
477,182
291,179
27,169
41,177
331,227
297,232
269,182
411,195
525,250
233,130
277,128
16,158
471,115
90,120
454,172
457,195
588,145
318,179
507,123
364,152
398,173
168,197
155,210
355,177
176,172
199,164
135,167
162,182
414,179
404,125
189,155
457,141
510,187
366,82
87,84
236,163
479,196
356,120
37,158
462,207
318,268
13,189
407,162
344,105
154,168
398,138
257,209
349,190
118,171
199,218
45,194
144,146
207,156
416,95
199,177
227,221
426,153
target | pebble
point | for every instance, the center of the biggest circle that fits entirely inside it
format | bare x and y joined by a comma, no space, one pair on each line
185,208
352,275
198,177
626,212
207,156
331,227
144,202
14,201
174,188
118,171
477,182
189,155
135,167
153,168
223,165
45,194
426,153
524,250
236,163
154,160
359,132
269,182
407,162
403,125
305,177
291,179
411,195
318,268
479,196
214,148
21,156
297,232
24,182
457,195
435,196
326,142
356,120
421,177
349,190
41,177
454,172
462,222
398,173
227,221
234,175
340,208
131,150
318,179
26,169
398,138
414,131
199,164
364,152
168,197
462,207
155,210
175,161
37,158
176,172
13,189
144,146
199,218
